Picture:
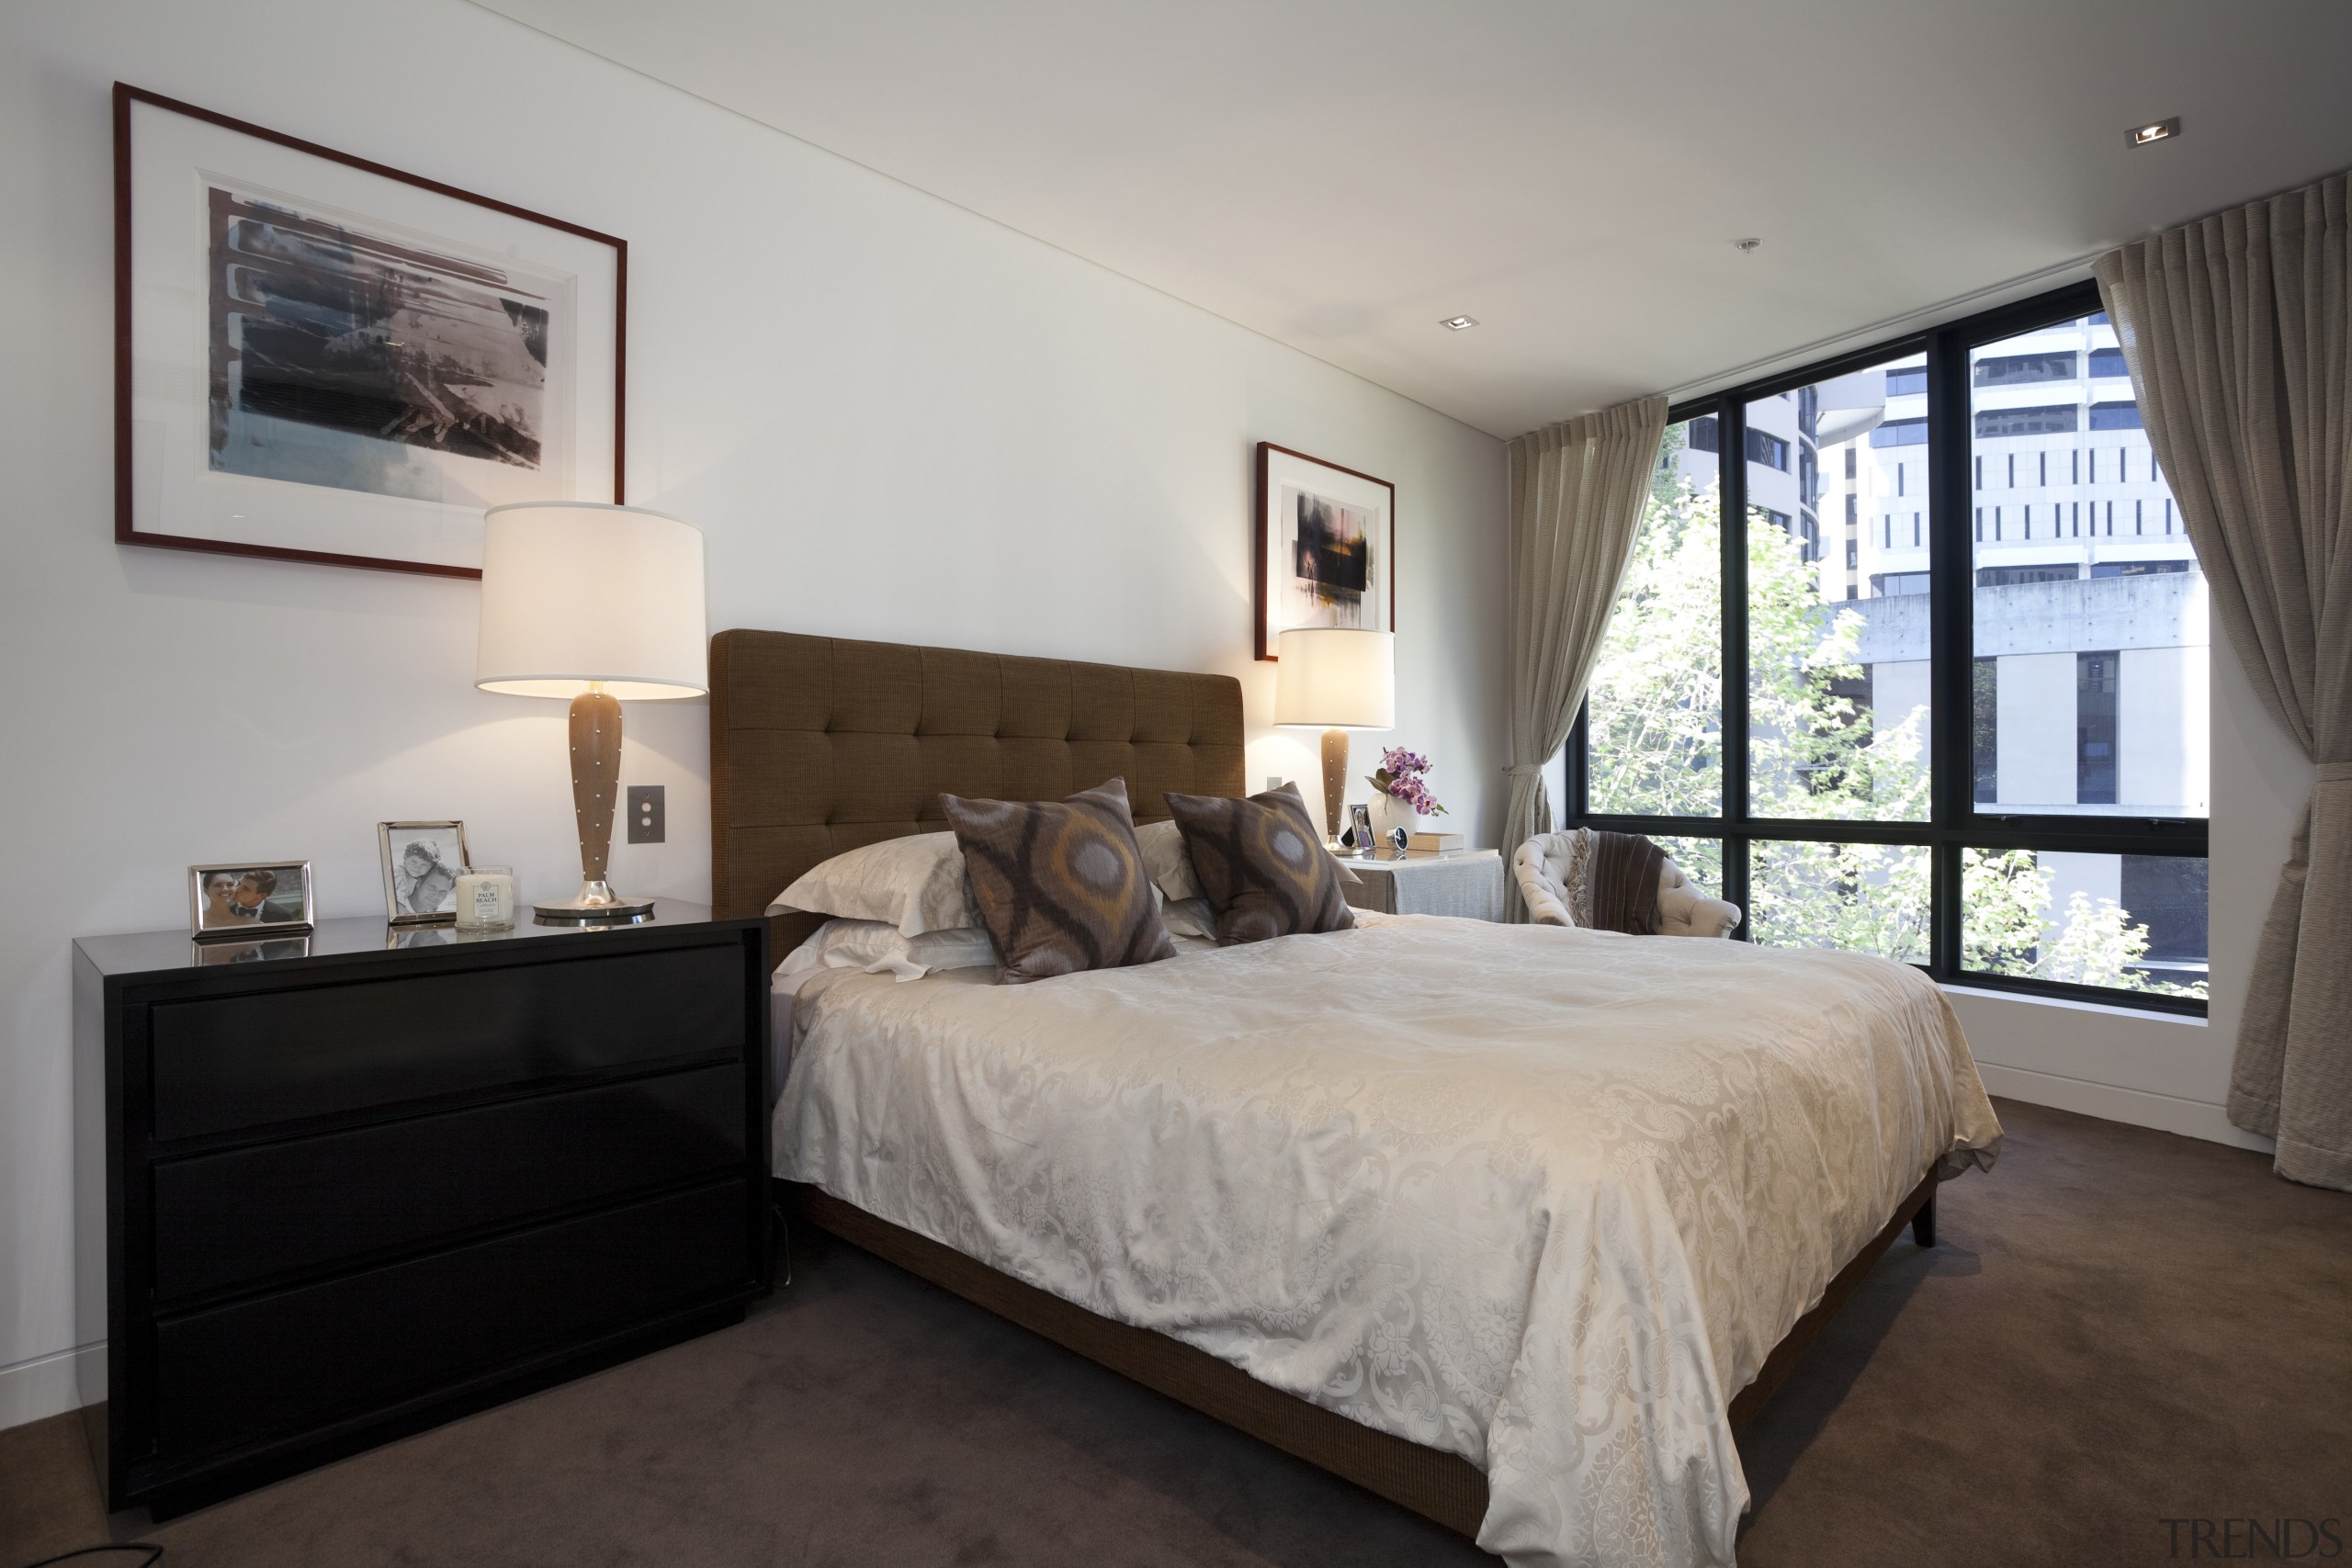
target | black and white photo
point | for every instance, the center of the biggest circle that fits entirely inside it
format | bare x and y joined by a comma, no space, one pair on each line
422,863
362,361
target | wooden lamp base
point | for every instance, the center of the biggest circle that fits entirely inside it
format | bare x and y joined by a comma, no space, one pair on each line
1335,780
595,784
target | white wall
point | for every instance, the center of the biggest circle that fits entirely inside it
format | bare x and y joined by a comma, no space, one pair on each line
892,418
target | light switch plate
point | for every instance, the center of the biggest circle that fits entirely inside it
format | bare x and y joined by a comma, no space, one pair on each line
1273,781
649,819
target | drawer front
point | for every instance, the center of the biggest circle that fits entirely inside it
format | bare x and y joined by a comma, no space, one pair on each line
224,1063
282,1365
248,1214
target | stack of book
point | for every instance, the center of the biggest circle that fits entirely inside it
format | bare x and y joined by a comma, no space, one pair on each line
1436,844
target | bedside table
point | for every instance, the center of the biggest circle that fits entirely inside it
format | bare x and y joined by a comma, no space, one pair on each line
362,1182
1469,882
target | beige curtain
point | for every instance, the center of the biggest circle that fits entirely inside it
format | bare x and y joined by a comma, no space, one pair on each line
1575,502
2238,333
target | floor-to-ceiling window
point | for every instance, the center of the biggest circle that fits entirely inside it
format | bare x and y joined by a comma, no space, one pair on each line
1924,675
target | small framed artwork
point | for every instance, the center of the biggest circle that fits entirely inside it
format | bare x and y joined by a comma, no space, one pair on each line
320,359
243,900
422,864
1325,547
1360,828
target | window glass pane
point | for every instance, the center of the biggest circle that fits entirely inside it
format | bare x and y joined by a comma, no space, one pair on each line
1837,578
1701,861
1864,898
2090,611
2133,922
1655,726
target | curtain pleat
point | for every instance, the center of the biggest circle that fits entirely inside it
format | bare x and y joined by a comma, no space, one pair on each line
2237,330
1576,504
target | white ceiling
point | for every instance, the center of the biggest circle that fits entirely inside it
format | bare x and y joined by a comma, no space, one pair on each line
1339,174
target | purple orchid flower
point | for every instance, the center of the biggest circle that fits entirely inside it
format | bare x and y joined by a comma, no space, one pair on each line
1400,777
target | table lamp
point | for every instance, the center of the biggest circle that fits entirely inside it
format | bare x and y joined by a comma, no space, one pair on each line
596,603
1335,679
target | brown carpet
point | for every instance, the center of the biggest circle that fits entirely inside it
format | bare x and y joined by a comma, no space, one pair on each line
2119,1327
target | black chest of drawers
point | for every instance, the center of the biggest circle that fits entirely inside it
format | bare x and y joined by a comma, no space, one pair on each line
361,1184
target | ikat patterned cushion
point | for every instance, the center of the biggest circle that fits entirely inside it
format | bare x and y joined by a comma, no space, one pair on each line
1060,884
1262,865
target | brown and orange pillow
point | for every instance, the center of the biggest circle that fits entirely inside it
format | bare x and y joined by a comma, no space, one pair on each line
1262,864
1060,884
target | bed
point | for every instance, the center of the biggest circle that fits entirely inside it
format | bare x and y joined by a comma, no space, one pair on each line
1513,1225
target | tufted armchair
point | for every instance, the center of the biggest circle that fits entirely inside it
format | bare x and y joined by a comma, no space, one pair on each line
1551,866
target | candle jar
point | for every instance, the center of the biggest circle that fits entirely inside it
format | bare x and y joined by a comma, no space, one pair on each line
485,898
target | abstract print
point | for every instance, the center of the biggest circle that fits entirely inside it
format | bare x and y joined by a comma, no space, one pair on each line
1330,547
346,359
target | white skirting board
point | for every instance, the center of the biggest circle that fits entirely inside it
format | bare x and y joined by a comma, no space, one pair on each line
48,1385
2190,1118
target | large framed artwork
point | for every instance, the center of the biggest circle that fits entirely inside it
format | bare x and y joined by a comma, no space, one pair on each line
1326,546
320,358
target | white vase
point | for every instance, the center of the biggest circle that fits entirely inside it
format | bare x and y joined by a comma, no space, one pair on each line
1389,814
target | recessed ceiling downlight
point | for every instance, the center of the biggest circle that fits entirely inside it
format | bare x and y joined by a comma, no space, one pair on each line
2156,130
1458,323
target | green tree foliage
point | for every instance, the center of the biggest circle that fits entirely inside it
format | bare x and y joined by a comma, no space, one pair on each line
1815,753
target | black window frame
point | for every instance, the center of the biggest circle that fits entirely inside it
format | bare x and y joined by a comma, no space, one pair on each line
1956,821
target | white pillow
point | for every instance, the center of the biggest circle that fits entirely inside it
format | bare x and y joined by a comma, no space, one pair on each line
880,948
915,884
1188,917
1166,861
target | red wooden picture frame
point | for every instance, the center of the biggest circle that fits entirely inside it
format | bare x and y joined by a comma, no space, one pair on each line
125,532
1261,534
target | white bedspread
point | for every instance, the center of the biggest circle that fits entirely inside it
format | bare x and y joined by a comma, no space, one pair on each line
1543,1198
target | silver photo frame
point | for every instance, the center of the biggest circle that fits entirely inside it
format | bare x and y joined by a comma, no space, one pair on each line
238,900
1360,828
421,861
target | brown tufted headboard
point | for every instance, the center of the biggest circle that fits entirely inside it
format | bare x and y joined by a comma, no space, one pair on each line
820,744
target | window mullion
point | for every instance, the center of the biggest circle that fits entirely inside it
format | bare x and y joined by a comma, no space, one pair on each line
1732,487
1578,764
1952,608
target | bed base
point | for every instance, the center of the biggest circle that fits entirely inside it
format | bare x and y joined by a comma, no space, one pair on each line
1441,1486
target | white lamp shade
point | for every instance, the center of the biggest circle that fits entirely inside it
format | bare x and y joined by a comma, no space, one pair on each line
574,593
1336,678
